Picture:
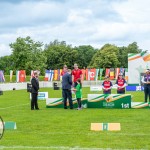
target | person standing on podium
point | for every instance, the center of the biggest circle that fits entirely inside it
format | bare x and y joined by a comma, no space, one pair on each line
121,84
107,85
146,81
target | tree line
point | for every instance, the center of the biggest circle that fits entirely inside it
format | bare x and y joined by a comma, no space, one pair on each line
28,55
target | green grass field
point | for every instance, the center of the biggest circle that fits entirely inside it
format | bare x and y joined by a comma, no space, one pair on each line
56,128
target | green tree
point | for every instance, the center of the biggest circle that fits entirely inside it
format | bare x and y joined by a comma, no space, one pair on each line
84,55
106,57
58,54
6,64
124,51
28,55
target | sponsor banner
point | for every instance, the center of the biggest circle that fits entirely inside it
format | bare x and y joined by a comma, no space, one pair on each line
134,88
95,88
137,63
41,95
140,105
58,103
109,100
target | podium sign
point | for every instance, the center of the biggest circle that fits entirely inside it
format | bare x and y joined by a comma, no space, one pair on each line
58,103
109,101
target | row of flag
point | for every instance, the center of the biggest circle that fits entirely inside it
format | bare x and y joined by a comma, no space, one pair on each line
55,75
88,74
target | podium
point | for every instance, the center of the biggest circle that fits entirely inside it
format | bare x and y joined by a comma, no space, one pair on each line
109,100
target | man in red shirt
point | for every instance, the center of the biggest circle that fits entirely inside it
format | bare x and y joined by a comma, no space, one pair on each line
76,74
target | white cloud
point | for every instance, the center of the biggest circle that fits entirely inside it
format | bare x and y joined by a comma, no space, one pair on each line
77,22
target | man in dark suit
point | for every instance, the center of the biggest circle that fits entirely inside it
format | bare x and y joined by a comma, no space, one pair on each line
34,91
66,88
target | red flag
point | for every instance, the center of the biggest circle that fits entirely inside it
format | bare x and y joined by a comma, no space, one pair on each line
92,74
87,74
83,74
107,72
22,75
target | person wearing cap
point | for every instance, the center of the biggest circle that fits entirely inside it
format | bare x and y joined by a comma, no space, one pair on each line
146,81
121,84
76,74
107,85
34,91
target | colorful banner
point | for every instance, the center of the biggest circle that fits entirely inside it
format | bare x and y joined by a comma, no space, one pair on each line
87,74
96,76
22,76
11,75
117,71
109,101
122,70
101,73
55,75
112,74
17,76
137,63
92,74
49,75
126,74
58,78
2,78
83,74
107,72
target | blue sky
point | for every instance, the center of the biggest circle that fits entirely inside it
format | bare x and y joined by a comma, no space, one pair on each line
78,22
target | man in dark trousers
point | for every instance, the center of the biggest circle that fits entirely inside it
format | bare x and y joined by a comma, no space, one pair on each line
66,88
34,91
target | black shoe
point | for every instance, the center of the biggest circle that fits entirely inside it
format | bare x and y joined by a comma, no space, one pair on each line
37,108
71,108
32,108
